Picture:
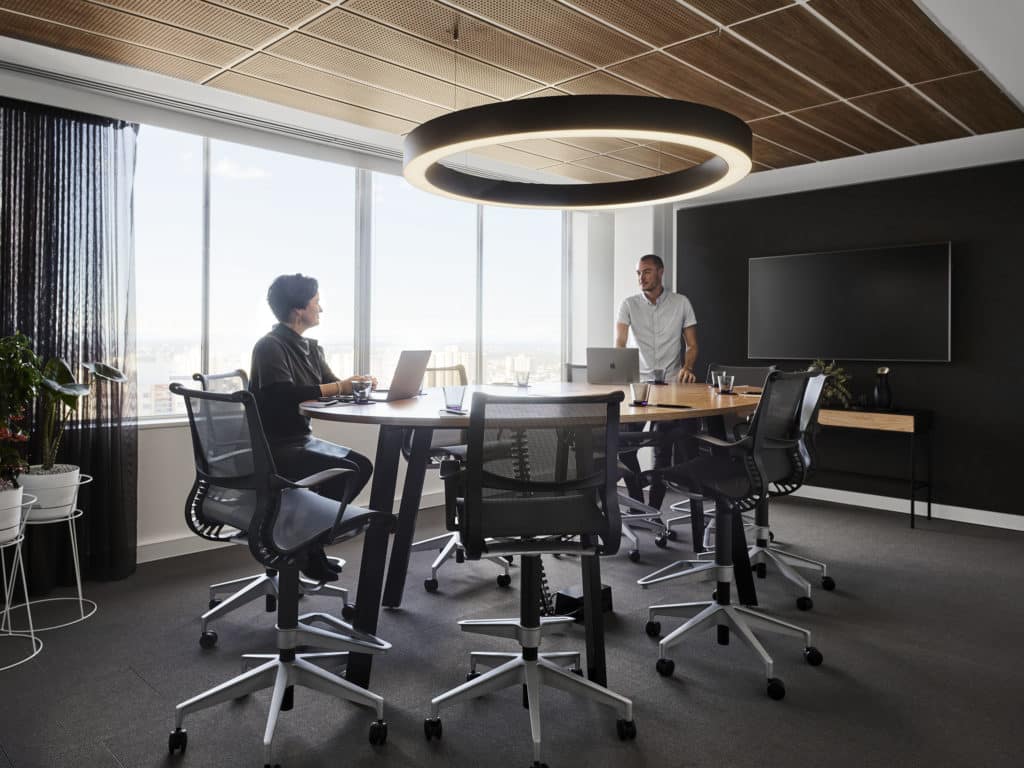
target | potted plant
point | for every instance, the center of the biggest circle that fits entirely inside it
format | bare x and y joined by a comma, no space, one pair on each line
54,484
19,382
836,391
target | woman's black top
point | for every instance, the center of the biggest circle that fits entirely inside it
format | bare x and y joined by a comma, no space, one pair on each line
286,369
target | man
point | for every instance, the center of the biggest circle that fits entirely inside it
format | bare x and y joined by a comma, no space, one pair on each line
664,327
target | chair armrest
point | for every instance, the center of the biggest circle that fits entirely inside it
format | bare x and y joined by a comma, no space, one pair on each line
314,480
717,442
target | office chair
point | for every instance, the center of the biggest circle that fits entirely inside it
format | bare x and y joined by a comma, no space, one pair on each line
738,476
248,588
442,445
237,485
547,496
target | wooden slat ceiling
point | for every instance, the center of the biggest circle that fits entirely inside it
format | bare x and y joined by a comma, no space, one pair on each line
816,80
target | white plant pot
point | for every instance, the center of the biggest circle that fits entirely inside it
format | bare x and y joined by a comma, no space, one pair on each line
56,493
10,513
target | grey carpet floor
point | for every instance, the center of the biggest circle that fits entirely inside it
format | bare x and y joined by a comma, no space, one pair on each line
922,642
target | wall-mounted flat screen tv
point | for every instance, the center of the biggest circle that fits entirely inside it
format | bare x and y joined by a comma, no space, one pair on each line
890,303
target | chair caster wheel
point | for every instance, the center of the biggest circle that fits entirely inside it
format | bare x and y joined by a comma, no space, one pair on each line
577,671
432,728
828,583
271,604
538,764
761,570
771,536
430,585
804,603
660,542
626,729
472,676
208,639
665,667
652,628
776,689
214,602
177,741
813,656
460,556
504,580
348,611
634,555
723,634
378,733
672,535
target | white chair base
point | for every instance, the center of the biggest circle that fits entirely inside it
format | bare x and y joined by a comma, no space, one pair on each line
449,545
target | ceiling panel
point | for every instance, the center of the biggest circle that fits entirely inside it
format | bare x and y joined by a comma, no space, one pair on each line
649,157
802,41
900,34
552,149
288,13
88,44
676,80
207,19
602,83
333,87
289,97
911,115
775,156
600,146
852,126
610,164
358,66
131,29
786,131
728,58
588,175
731,11
379,41
543,92
659,22
513,156
977,101
436,23
558,26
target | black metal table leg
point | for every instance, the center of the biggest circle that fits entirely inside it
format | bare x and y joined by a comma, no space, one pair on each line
928,457
412,491
913,476
593,619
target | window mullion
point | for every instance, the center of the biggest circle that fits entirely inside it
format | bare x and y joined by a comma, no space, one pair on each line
204,343
363,283
479,336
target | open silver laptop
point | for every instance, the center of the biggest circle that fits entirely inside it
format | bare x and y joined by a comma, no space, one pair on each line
412,365
612,365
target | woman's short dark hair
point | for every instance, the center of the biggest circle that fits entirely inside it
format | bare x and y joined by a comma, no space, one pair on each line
289,292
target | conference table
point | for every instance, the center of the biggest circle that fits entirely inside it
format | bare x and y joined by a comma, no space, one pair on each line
411,423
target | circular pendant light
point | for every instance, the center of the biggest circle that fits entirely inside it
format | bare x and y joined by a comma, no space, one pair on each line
641,119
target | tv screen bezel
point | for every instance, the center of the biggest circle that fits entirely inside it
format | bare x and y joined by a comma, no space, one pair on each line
949,302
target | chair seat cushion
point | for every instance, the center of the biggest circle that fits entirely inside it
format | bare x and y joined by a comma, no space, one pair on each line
306,517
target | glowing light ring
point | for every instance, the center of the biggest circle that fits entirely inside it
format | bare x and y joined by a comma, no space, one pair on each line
639,118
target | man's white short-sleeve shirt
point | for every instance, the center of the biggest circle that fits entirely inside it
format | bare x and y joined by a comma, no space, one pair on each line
657,330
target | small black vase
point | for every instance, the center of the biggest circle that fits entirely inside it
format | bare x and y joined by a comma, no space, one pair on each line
882,395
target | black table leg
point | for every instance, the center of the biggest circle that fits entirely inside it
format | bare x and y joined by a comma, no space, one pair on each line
593,619
913,477
375,549
928,457
412,491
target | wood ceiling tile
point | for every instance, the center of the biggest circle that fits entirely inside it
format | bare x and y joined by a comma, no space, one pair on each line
435,22
852,126
383,42
690,154
911,115
286,14
88,44
786,131
730,59
609,164
602,83
318,53
599,146
801,40
553,149
977,101
649,157
759,167
331,86
543,92
659,22
731,11
775,156
130,29
513,156
671,78
558,27
204,18
588,175
900,34
289,97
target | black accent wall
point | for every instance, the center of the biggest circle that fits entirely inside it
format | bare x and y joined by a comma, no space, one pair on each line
978,398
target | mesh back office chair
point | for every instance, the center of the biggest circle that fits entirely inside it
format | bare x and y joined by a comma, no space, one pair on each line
443,443
246,589
536,499
739,480
237,486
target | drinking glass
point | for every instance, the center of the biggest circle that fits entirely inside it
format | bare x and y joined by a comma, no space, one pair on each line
659,375
361,390
523,378
453,396
639,390
725,383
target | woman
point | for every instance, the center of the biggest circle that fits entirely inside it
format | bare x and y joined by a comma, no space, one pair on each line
288,369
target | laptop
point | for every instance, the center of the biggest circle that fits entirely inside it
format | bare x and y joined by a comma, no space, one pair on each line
412,365
612,365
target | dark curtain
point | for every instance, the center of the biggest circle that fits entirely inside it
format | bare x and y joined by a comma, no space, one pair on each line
67,281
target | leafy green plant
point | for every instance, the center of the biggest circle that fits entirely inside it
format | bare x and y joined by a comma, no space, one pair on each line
19,381
59,398
836,390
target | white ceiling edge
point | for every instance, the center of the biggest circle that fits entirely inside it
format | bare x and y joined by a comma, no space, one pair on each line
57,78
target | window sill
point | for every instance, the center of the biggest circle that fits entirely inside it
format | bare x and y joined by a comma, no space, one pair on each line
166,422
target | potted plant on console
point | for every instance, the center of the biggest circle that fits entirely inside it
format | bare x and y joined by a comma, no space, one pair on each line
56,484
19,382
836,392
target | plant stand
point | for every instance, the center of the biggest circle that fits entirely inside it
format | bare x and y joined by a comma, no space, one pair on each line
7,631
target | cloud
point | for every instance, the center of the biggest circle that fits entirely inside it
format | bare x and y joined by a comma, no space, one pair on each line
229,169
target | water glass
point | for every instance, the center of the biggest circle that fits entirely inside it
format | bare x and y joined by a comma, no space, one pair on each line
453,396
639,390
725,382
523,378
716,379
361,390
659,375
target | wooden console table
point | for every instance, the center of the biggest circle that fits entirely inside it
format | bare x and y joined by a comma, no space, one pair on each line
916,424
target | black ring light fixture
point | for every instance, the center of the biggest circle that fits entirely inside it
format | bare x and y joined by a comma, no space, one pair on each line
643,119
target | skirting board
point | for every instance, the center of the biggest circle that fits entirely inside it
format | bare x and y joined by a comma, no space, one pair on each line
187,545
892,504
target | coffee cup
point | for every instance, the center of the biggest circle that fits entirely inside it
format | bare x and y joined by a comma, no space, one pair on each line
659,375
639,391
